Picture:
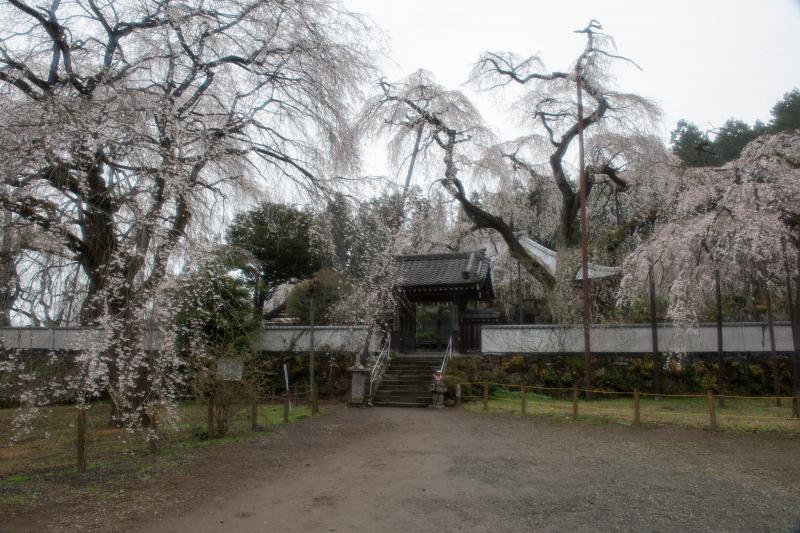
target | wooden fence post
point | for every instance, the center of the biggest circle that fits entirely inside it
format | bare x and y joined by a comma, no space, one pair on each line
636,419
153,442
575,401
796,406
286,407
295,393
81,441
712,411
210,417
458,394
485,396
314,399
523,400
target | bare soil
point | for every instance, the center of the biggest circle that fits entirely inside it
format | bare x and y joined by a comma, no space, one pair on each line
420,470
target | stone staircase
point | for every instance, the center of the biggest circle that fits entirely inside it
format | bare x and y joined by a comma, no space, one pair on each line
406,382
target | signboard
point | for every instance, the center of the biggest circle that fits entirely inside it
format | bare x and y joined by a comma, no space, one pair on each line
229,369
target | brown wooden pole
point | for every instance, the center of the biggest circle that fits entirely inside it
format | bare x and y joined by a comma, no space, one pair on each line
796,337
636,408
312,379
314,399
458,394
210,417
720,358
712,411
286,407
81,440
575,401
796,405
485,396
654,335
254,416
519,292
776,379
523,400
295,393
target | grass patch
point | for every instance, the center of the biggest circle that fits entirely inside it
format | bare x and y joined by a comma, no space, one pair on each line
50,447
17,499
738,414
16,479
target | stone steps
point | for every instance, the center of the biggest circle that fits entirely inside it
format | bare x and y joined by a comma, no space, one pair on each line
378,403
406,382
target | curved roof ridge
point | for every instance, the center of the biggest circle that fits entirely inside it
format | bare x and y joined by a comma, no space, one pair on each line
479,254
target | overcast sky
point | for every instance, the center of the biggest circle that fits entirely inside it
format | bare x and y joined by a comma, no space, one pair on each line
703,60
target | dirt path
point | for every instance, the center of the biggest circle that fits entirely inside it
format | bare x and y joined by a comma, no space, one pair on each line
420,470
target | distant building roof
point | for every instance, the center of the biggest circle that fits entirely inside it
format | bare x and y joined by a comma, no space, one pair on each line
276,301
548,258
458,272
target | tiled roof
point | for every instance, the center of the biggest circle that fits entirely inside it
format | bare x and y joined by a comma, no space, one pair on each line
465,268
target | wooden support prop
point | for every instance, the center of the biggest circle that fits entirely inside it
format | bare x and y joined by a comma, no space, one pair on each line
254,416
636,418
153,442
314,399
458,394
295,393
210,418
712,410
720,357
776,377
654,334
796,406
523,400
81,441
485,396
575,401
286,407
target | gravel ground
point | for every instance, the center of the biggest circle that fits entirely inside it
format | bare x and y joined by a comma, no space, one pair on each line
420,470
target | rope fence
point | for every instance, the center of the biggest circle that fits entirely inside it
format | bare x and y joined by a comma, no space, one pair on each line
64,435
635,407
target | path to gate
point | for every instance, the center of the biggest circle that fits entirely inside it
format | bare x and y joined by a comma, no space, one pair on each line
386,469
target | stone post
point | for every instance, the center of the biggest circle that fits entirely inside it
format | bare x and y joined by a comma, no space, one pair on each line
359,376
438,390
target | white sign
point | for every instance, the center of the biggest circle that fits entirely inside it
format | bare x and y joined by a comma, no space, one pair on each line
229,370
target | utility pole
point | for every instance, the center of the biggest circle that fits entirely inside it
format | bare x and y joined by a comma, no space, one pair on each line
311,378
587,355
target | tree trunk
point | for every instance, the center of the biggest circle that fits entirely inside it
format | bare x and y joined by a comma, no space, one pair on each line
8,272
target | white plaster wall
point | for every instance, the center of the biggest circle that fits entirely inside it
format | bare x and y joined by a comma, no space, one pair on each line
69,339
298,339
736,337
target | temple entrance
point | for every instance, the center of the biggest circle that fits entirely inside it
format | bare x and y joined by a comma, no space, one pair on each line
440,295
434,326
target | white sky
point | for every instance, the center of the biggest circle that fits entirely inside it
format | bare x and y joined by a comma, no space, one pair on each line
703,60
